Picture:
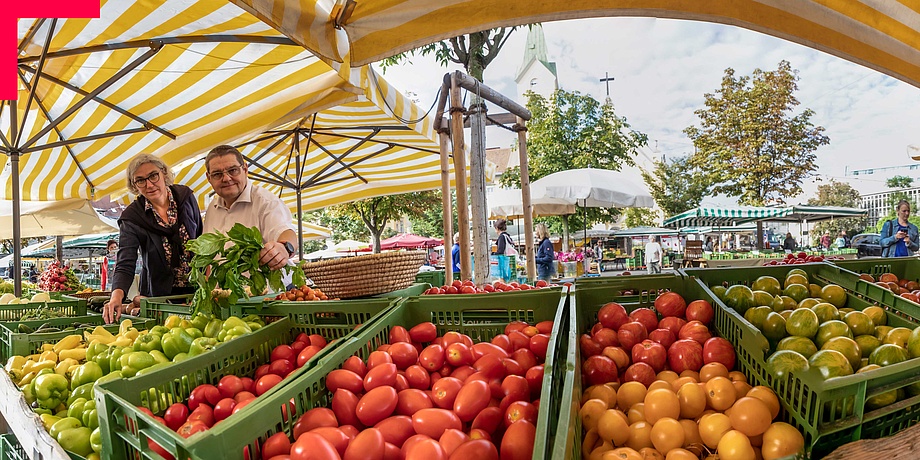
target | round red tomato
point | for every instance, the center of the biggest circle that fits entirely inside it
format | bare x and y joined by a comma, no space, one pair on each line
380,375
224,408
433,422
248,383
240,405
311,446
266,382
368,445
281,367
244,396
376,405
472,398
719,350
685,354
202,413
518,441
191,427
175,416
229,386
260,371
276,444
211,393
344,404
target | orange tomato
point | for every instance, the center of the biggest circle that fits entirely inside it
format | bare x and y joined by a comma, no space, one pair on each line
713,370
640,435
661,403
681,454
590,441
648,453
713,427
736,375
591,412
781,440
741,389
668,376
629,394
750,416
622,453
658,384
692,374
613,426
636,413
667,434
692,400
720,393
599,451
734,445
768,397
605,393
691,432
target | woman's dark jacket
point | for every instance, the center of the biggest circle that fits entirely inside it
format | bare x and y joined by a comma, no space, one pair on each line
544,259
139,230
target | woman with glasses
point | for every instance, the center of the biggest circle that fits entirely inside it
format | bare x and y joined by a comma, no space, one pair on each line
157,224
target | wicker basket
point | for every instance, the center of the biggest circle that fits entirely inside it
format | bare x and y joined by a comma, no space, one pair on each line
365,275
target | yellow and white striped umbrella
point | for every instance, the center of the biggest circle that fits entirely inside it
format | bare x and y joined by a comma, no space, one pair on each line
881,34
170,77
380,143
314,231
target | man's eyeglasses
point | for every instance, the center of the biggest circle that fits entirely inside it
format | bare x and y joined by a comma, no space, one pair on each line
153,178
232,172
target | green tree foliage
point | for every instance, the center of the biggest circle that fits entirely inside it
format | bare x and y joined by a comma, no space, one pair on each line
343,226
376,212
836,193
473,51
430,223
676,185
641,217
899,182
749,142
571,130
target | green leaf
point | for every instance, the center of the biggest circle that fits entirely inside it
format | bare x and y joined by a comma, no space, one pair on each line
274,281
208,244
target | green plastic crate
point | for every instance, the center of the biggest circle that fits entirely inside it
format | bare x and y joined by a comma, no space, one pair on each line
434,278
159,308
10,448
333,318
15,343
832,412
125,431
416,289
69,306
903,267
586,299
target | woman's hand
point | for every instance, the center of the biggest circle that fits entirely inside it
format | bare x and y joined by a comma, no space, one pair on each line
112,310
901,235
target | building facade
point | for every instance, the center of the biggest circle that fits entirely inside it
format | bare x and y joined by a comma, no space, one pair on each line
878,204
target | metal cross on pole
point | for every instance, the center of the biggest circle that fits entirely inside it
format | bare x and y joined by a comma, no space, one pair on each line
607,79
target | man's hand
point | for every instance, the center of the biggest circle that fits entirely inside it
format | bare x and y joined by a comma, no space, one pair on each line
112,311
274,255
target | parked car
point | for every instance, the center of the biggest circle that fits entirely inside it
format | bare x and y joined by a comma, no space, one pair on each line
867,245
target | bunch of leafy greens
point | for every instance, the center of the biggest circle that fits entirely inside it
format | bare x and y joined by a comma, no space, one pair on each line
228,264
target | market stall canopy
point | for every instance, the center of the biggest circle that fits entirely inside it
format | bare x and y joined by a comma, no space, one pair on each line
507,203
379,143
54,218
645,231
721,216
798,213
315,232
172,78
593,188
880,34
749,227
409,241
350,246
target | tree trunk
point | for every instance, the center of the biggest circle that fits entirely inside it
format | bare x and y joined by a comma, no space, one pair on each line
375,239
565,233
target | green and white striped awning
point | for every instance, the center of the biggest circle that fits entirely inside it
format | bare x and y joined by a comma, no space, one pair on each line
705,216
712,216
645,231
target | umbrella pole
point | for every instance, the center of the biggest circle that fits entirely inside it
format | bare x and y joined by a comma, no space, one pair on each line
446,206
521,129
17,231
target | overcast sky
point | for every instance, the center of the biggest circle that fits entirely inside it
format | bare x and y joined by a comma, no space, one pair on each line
663,68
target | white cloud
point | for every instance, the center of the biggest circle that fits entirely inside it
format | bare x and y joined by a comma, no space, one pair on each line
664,67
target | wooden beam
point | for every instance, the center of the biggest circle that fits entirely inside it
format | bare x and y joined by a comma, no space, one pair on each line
521,129
463,209
447,213
476,87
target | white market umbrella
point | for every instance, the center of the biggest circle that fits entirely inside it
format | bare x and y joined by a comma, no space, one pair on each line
508,203
350,246
54,218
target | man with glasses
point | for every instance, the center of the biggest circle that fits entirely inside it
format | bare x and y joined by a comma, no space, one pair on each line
239,201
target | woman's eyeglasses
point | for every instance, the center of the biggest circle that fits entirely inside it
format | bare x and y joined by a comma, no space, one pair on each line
232,172
153,178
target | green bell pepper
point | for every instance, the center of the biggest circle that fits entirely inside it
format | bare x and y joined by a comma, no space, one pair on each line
201,345
172,321
134,361
254,319
95,440
90,416
87,372
155,367
180,357
148,342
75,408
159,330
193,332
200,321
253,326
84,391
159,357
76,440
175,342
108,378
115,358
95,349
213,327
50,390
63,424
102,359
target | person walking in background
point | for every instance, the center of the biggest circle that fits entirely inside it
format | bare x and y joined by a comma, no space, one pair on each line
789,243
455,254
108,265
707,246
653,255
899,236
546,255
503,244
826,240
841,241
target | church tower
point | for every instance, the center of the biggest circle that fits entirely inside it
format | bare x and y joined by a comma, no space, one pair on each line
536,73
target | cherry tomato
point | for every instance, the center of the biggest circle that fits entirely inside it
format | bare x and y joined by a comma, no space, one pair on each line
376,405
396,429
423,332
433,422
368,445
224,408
266,382
381,375
229,386
175,416
276,444
518,440
471,399
311,446
343,405
411,401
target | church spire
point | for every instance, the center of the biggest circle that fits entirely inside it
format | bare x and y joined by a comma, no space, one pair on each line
535,50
